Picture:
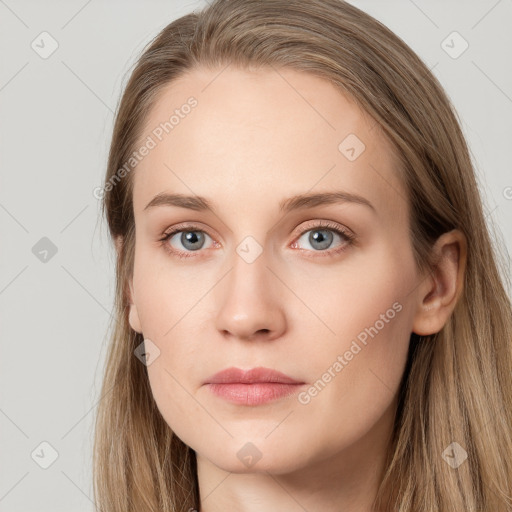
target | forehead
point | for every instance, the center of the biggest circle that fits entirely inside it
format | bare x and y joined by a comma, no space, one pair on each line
248,139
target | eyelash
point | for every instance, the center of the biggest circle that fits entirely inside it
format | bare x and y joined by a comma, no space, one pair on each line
349,239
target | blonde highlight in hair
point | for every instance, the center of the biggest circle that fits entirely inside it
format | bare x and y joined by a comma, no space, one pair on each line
458,383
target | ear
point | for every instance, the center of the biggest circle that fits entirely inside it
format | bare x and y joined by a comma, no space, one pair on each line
133,315
440,291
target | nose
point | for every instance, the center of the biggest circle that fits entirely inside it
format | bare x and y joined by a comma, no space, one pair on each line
251,302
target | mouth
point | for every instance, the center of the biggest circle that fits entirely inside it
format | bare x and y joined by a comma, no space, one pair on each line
252,387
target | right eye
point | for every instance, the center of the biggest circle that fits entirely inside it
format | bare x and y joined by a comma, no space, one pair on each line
184,241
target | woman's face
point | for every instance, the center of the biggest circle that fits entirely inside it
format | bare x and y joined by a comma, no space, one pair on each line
322,289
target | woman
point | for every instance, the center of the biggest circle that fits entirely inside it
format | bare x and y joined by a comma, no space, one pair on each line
309,310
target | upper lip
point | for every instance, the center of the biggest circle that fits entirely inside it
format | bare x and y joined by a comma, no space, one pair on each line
259,374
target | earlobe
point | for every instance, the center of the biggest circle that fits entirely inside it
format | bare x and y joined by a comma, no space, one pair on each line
133,315
440,291
133,319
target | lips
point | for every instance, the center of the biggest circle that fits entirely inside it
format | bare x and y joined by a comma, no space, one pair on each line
255,375
253,387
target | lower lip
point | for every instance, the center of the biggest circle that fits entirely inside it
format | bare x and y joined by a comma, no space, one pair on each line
253,394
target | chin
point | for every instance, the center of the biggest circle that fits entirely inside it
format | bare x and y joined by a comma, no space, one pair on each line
255,455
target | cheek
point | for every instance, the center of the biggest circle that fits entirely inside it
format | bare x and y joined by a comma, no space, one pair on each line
169,305
358,381
174,398
358,369
167,292
352,295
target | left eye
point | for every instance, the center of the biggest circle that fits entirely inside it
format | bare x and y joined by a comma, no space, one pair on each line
321,239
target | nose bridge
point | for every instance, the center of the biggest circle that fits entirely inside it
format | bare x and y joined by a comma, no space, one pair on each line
248,301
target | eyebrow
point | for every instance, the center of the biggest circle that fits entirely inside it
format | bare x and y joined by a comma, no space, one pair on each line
301,201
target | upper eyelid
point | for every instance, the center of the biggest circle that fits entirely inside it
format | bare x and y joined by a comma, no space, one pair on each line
327,224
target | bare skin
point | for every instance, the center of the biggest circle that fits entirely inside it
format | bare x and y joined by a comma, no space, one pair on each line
257,138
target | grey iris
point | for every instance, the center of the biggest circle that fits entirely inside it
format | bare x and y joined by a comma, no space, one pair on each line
318,236
192,237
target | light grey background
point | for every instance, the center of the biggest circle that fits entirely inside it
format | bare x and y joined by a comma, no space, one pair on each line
56,118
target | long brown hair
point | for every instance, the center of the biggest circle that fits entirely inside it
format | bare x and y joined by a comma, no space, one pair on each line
457,386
